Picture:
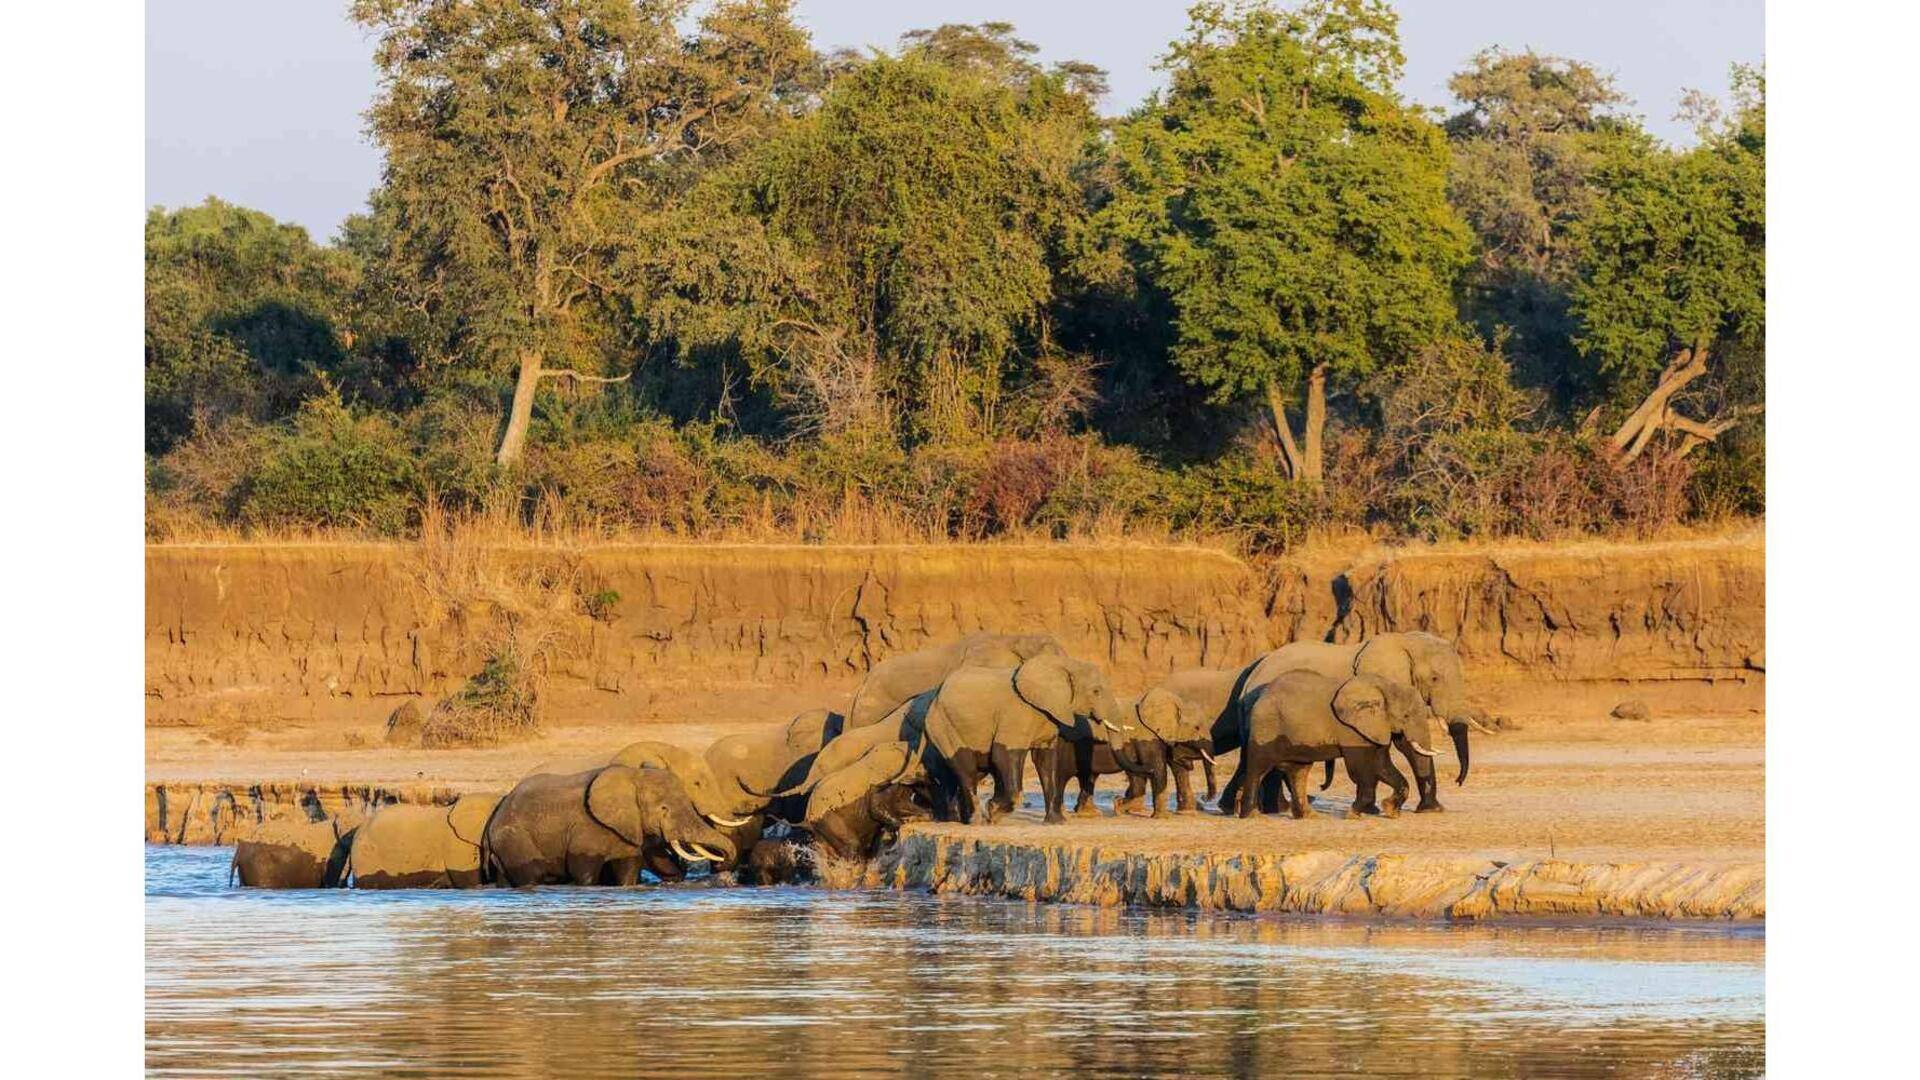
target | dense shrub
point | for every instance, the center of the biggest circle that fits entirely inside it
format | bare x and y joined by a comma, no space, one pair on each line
333,468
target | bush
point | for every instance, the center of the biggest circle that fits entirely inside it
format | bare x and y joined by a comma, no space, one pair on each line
498,704
332,468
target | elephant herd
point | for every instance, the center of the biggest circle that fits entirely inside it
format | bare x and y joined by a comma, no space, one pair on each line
921,733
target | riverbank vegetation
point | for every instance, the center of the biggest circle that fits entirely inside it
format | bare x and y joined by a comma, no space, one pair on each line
630,273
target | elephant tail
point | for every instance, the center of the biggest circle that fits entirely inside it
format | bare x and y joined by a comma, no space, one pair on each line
1328,782
233,867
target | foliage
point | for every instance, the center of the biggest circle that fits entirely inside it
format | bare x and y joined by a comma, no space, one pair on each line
1291,206
929,294
333,468
1673,251
499,703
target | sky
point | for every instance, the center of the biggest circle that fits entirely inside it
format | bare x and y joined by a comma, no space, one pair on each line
260,103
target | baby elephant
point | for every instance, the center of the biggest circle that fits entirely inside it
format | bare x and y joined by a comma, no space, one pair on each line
291,851
411,846
1303,717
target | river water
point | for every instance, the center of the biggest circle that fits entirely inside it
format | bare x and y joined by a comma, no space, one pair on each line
804,982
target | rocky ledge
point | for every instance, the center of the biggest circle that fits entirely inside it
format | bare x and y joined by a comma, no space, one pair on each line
1322,883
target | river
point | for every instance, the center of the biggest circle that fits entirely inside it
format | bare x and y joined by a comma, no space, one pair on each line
804,982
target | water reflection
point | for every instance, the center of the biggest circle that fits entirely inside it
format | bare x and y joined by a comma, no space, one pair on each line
693,981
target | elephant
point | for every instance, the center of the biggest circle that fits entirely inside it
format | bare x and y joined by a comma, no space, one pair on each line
289,850
598,827
728,781
1303,717
1429,664
896,680
854,810
413,846
995,717
1191,713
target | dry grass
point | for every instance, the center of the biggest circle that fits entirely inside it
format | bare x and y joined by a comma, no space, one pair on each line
499,704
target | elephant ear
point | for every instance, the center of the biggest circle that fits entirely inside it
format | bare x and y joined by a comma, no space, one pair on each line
613,798
1046,683
468,816
884,764
1361,705
1158,711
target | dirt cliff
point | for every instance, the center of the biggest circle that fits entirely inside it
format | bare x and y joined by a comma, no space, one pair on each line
655,623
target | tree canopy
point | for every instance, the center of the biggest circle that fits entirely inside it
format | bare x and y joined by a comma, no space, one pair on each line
658,264
1291,205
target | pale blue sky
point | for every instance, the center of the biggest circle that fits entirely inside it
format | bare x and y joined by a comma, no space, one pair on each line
260,103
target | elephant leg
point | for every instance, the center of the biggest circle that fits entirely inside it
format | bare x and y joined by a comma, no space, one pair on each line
1274,797
1053,793
1005,784
1425,778
1136,790
1363,768
1252,775
1081,755
1159,783
965,765
622,872
1297,780
1183,787
583,869
1230,795
1395,780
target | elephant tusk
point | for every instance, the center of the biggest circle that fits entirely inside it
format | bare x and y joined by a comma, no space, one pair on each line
1108,724
728,823
681,850
1422,749
1209,757
707,854
1480,727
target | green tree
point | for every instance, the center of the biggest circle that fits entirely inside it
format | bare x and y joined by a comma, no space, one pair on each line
1529,133
890,259
527,144
1673,269
1291,206
244,315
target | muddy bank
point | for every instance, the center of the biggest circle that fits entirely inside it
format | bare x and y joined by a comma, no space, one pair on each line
1321,883
359,625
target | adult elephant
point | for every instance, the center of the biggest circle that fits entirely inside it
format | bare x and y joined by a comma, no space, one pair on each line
728,781
598,827
855,753
414,846
1301,717
989,719
894,681
1429,664
289,850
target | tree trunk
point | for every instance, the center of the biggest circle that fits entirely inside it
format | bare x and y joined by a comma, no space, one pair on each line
1638,429
1283,432
520,415
1311,467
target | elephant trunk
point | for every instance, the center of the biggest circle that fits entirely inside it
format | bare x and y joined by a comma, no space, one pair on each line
1458,729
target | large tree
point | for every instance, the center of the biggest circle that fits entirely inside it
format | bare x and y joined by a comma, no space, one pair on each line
527,143
1673,270
888,262
1529,133
1291,206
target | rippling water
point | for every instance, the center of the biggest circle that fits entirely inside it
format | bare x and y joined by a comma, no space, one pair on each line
696,981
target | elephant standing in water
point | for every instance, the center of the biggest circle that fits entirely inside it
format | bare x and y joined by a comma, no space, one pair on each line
599,827
1429,664
411,846
990,719
893,682
291,851
1303,717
